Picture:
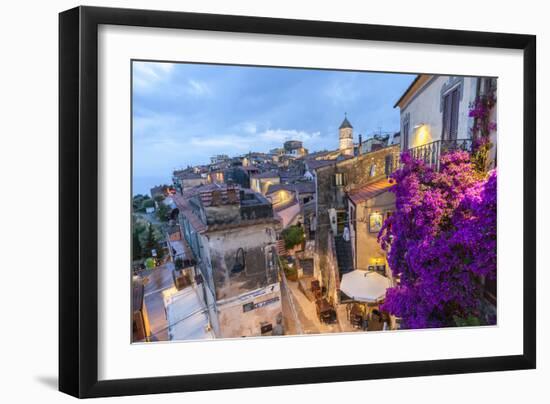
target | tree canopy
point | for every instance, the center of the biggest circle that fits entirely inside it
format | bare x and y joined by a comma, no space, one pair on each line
293,235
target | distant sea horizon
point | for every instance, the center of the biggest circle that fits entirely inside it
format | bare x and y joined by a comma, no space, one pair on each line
143,185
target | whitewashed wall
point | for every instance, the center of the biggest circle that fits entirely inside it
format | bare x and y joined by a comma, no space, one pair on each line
425,108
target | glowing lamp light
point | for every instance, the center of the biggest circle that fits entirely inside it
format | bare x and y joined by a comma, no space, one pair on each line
422,134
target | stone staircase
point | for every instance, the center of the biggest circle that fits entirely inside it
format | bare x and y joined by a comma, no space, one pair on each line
307,266
344,255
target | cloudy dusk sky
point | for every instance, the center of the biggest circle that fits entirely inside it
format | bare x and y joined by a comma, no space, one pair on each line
185,113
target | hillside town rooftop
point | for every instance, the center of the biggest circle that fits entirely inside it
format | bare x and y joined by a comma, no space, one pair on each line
221,206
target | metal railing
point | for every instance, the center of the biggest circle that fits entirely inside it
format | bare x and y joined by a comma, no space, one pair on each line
431,153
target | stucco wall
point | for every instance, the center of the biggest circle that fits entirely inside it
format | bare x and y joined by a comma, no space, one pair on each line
366,246
236,322
208,300
257,241
426,108
261,185
192,182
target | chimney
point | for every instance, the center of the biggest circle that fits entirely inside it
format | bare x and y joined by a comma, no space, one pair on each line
360,144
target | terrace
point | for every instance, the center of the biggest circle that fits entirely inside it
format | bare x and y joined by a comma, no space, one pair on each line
431,152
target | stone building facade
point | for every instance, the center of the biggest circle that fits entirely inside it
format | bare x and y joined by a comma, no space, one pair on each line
233,233
185,179
334,182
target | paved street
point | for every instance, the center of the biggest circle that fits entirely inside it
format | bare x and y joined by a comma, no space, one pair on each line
158,280
307,313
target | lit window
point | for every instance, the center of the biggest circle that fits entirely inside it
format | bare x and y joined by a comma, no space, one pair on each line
339,179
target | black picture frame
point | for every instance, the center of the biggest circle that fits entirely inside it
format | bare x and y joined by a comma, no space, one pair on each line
78,196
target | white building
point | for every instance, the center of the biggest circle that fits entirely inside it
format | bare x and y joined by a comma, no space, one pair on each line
434,113
232,235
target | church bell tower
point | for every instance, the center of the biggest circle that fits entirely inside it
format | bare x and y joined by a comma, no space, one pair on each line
346,137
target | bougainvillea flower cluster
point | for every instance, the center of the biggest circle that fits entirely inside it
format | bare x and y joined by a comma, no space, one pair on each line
441,240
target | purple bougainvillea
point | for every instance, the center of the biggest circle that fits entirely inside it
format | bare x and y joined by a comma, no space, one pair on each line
440,240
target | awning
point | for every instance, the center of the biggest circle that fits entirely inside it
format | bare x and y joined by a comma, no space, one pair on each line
365,286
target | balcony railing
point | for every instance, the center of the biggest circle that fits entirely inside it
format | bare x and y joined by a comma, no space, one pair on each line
430,153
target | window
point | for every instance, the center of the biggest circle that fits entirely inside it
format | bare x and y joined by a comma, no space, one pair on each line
372,171
450,114
388,166
239,261
405,134
339,179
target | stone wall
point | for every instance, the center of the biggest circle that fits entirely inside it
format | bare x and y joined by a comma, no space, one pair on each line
358,171
188,183
258,242
332,272
228,213
245,316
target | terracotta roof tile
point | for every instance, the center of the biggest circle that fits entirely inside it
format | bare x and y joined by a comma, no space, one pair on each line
182,202
369,191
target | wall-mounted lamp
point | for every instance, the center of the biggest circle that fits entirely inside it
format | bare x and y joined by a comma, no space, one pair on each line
422,134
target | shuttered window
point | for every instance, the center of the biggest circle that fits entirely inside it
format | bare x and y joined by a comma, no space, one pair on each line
388,166
339,179
405,135
451,102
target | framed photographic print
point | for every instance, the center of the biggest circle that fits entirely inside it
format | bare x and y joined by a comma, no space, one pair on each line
221,183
